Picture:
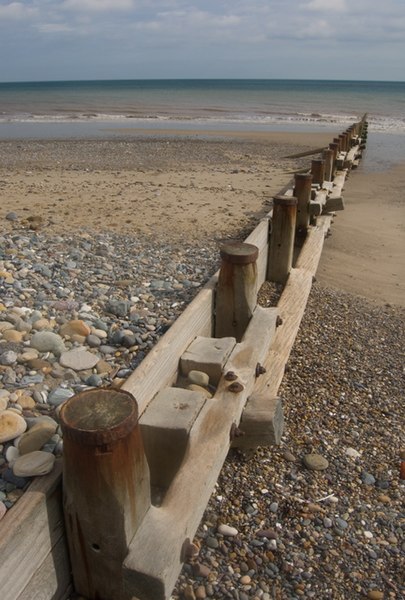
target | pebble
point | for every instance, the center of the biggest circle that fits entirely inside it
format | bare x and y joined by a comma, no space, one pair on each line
34,464
315,462
48,341
78,359
375,595
74,327
227,530
36,437
198,378
11,425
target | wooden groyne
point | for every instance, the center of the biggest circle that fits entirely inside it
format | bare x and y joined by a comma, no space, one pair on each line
141,462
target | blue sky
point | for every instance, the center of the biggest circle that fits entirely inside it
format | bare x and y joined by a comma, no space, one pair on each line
138,39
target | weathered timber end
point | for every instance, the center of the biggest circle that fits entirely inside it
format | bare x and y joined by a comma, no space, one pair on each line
141,464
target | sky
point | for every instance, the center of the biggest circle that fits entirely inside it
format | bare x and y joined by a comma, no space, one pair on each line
44,40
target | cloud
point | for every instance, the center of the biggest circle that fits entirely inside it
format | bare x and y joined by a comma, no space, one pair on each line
55,28
16,11
327,5
98,5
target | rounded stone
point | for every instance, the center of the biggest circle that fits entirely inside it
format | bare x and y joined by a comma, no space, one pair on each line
78,360
12,335
3,510
198,388
34,464
47,341
36,437
11,425
227,530
26,402
7,358
3,404
59,396
198,378
75,327
315,462
375,595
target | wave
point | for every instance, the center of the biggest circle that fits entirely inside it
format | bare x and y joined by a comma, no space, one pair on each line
212,117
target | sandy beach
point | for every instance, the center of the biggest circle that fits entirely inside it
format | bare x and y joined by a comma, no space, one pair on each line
118,235
195,185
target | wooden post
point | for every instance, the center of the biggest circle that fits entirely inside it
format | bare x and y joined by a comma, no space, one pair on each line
282,238
338,141
236,294
106,487
318,171
327,156
342,138
335,148
302,191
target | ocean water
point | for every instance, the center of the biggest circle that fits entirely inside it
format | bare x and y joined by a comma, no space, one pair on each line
99,108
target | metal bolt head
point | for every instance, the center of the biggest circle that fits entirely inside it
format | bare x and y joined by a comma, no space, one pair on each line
231,376
236,387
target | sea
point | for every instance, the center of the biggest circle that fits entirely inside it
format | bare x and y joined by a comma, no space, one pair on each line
86,109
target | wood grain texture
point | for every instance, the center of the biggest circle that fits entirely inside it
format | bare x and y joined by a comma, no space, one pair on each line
28,534
154,559
159,368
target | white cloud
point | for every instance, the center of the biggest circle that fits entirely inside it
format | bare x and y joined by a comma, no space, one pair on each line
98,5
16,10
55,28
327,5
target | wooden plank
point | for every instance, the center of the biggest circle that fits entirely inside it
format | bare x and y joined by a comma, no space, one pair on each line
159,368
260,238
52,579
154,559
28,534
292,303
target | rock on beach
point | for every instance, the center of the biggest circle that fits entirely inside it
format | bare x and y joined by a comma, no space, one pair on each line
11,425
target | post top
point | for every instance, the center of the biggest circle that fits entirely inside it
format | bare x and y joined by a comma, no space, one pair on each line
285,200
317,161
99,416
303,176
239,253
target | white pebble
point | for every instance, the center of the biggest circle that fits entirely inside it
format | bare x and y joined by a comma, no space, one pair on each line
227,530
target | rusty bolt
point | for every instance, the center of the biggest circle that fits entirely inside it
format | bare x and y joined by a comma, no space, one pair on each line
235,387
279,321
260,370
231,376
235,432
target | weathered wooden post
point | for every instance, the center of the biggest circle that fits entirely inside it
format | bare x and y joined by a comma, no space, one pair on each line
318,171
236,293
327,155
302,191
335,149
338,141
343,145
282,238
105,487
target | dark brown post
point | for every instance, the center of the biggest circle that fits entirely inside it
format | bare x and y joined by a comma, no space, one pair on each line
342,138
105,487
282,238
236,294
302,191
318,171
327,156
